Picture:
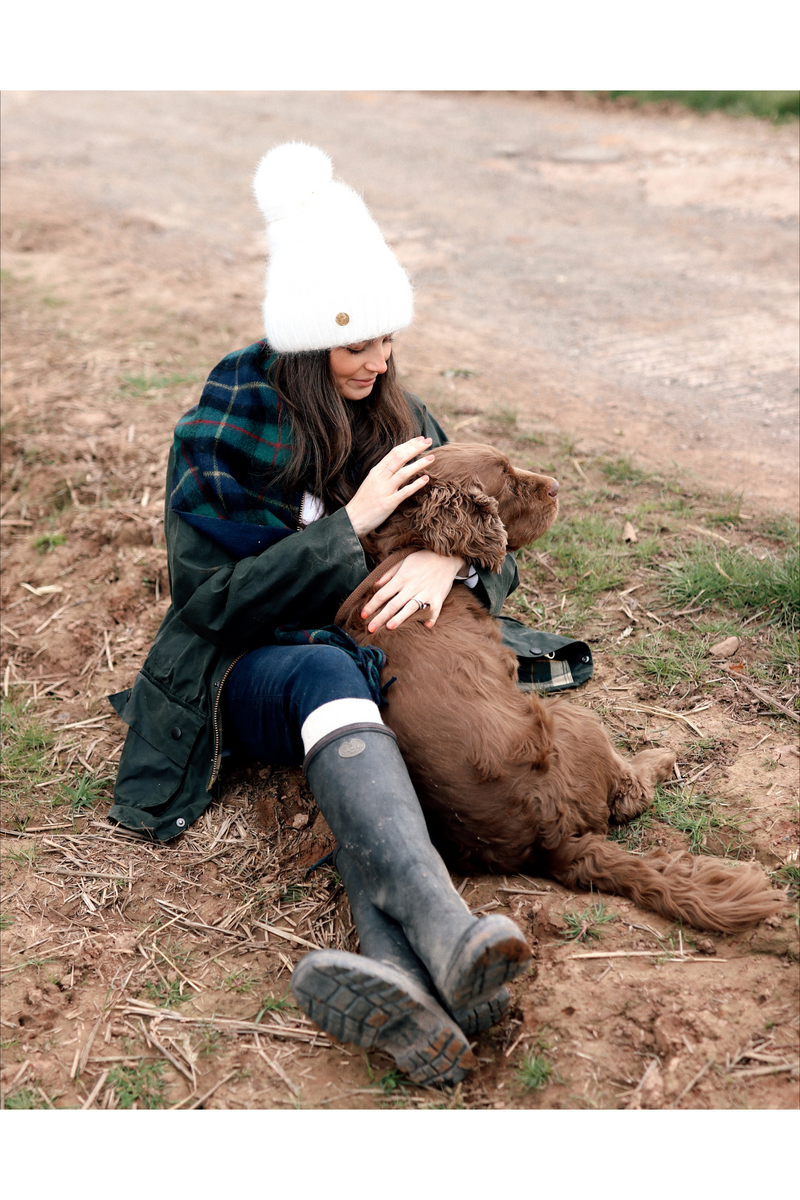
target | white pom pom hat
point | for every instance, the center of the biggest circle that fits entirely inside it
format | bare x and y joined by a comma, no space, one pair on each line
331,278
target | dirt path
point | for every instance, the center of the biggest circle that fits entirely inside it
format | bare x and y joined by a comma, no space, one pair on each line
629,276
575,281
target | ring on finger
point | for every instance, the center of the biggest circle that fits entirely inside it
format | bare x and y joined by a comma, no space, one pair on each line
422,603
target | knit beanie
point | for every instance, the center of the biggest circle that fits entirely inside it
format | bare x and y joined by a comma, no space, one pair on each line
331,278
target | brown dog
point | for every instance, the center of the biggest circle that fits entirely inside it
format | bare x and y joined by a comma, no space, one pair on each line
509,780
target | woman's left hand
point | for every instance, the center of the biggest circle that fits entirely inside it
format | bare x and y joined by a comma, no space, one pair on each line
423,574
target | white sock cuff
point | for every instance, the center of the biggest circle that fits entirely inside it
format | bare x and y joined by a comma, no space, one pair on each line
335,715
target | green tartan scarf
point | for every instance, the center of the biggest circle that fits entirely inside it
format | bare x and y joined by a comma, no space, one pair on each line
227,449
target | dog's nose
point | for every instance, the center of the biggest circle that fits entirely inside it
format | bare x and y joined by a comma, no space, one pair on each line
553,488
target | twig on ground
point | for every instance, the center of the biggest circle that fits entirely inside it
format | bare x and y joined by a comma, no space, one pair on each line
90,1099
294,1032
279,1071
776,1070
521,892
167,959
546,567
83,1057
284,933
706,1067
764,696
670,954
153,1041
664,712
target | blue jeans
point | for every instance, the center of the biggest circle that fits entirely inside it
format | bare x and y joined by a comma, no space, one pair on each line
272,691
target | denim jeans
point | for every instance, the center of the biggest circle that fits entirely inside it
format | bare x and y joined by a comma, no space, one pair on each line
271,692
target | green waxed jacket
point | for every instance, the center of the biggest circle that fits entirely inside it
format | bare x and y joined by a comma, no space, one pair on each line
222,608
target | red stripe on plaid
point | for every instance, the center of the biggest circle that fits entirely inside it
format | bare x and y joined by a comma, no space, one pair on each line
202,487
279,445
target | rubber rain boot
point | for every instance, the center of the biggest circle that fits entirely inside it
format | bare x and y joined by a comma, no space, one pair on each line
362,787
382,938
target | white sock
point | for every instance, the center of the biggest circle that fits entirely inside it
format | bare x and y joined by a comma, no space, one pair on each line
335,715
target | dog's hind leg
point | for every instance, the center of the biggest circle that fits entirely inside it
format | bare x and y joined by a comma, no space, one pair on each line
635,787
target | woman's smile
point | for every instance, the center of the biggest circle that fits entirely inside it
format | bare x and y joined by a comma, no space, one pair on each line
347,363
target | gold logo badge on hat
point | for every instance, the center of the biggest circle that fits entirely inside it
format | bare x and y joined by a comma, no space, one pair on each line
342,319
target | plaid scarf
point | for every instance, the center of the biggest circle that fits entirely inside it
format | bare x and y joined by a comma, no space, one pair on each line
226,451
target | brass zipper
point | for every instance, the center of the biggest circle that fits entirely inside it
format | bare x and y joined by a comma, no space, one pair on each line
217,759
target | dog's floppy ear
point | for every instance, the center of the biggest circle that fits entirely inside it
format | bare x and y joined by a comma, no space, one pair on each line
453,518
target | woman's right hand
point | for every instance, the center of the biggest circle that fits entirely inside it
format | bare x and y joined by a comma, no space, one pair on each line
387,485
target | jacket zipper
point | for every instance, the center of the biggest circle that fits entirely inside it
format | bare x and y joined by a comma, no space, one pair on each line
216,761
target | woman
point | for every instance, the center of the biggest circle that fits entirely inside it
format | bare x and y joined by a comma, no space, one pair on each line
299,445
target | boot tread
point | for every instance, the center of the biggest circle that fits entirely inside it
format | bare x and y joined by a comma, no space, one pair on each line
373,1004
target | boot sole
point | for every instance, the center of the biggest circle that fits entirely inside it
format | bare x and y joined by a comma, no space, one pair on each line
376,1006
484,1015
492,953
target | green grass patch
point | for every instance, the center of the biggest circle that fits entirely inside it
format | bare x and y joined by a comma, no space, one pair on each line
46,543
167,993
24,746
689,812
503,419
25,1098
273,1004
239,982
782,656
585,926
780,528
85,792
143,1085
633,836
622,470
145,383
590,556
6,921
24,858
293,894
389,1082
790,875
731,511
671,656
773,105
737,579
534,1071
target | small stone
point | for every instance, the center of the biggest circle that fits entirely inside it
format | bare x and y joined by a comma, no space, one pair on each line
726,648
299,820
706,946
629,533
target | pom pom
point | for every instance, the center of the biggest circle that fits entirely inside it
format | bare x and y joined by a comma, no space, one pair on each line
289,176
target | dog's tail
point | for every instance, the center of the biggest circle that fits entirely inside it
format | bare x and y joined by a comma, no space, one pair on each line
684,887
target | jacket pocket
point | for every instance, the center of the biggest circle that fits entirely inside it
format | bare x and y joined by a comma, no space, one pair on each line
162,734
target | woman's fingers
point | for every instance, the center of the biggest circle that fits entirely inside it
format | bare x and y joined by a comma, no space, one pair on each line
422,576
415,467
385,486
406,450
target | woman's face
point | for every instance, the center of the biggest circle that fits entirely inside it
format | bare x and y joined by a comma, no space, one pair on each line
355,368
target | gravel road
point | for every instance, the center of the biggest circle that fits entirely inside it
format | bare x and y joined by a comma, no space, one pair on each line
629,279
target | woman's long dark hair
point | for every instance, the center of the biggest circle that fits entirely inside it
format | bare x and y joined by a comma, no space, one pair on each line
335,441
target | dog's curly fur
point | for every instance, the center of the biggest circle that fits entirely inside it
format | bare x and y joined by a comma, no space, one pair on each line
508,780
